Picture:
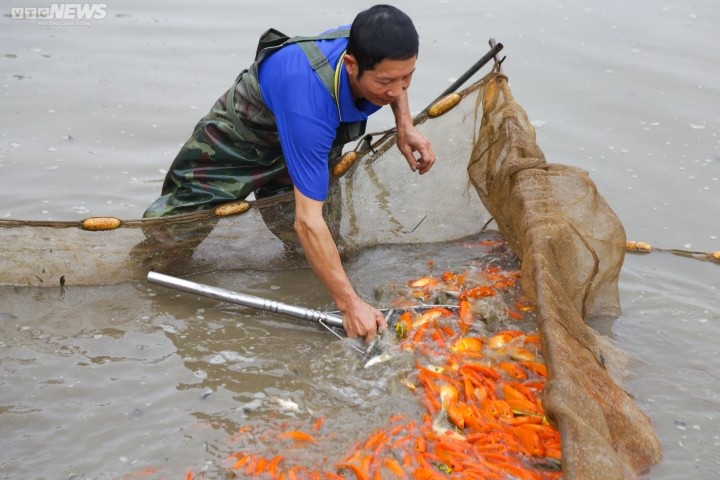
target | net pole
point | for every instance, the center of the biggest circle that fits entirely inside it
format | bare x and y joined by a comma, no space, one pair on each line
245,299
490,55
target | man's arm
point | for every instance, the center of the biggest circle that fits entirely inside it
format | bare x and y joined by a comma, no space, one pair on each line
359,318
410,140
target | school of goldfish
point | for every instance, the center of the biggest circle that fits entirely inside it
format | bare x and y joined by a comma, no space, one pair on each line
479,389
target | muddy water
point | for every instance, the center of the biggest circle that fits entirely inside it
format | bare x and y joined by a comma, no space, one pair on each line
99,382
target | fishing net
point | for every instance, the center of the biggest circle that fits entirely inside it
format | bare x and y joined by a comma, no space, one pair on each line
572,246
569,241
377,201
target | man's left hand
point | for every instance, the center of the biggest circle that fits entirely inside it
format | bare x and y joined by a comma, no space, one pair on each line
409,141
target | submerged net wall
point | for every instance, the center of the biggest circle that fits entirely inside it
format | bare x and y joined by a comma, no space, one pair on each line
378,201
570,242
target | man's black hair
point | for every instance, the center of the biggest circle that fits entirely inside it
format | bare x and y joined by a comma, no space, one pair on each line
382,32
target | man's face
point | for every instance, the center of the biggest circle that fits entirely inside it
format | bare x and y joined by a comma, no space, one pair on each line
383,84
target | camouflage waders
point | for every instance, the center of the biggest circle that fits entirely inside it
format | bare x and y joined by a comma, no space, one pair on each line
235,149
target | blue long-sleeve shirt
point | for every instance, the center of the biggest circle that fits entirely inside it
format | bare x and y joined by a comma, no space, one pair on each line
305,112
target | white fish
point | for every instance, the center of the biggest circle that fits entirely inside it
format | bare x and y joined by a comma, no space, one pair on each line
287,404
383,357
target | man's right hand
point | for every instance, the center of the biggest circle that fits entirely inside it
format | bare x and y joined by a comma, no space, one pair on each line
363,320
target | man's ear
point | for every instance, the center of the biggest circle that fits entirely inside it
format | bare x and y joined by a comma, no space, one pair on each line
351,65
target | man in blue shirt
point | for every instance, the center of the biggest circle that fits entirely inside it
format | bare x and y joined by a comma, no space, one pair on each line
283,124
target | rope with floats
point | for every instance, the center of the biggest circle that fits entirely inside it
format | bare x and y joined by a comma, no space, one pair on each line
644,247
633,246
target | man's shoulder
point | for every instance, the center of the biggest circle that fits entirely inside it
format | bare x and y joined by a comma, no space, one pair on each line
287,80
291,55
288,70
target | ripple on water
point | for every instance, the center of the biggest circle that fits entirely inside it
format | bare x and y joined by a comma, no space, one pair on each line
697,376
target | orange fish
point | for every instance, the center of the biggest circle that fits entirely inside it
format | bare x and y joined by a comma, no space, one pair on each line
428,473
501,339
318,424
357,464
449,278
476,293
394,467
510,392
297,436
467,344
535,367
423,282
530,440
512,370
522,406
520,353
496,408
431,314
273,464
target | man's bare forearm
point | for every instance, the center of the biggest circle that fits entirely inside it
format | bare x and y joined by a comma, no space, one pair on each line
322,253
324,259
359,318
409,139
401,111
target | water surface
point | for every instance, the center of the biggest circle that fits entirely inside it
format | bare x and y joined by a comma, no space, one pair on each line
98,382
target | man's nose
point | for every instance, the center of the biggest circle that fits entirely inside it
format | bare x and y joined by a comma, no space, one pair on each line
397,89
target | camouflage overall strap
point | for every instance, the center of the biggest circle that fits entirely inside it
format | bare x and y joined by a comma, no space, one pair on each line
318,60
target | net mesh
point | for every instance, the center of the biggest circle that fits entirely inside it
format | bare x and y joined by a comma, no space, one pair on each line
572,247
570,243
378,201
